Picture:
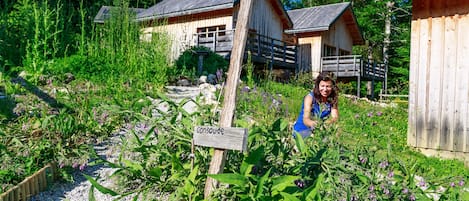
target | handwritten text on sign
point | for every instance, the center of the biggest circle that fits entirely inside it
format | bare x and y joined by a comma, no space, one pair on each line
221,138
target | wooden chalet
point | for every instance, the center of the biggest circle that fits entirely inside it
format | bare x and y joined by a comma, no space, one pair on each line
438,80
325,36
303,40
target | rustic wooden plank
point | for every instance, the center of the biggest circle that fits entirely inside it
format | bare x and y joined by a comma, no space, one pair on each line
463,72
461,88
218,159
448,99
221,138
413,83
433,110
422,79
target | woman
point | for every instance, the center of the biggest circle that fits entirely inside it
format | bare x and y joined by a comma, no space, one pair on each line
321,104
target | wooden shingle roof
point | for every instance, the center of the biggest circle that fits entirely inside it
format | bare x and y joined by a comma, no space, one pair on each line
320,18
172,8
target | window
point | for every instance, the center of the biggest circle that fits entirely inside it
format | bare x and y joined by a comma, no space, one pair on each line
343,52
208,32
329,50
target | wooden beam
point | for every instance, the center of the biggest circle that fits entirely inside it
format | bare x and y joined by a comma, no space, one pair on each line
226,118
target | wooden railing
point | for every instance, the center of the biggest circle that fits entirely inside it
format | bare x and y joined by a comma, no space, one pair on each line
353,66
262,48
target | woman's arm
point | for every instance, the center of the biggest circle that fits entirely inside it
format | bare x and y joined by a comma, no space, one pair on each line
308,104
334,115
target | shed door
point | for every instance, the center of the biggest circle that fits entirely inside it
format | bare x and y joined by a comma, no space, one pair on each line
304,58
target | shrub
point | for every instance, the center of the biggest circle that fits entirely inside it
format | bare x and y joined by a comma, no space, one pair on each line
188,61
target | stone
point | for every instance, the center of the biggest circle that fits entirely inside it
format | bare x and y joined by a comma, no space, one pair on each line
203,79
183,82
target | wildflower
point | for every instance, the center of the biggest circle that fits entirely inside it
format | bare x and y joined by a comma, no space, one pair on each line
362,159
371,188
391,174
75,165
452,184
461,183
82,166
412,197
61,165
246,89
372,196
422,183
370,114
383,164
405,191
300,183
379,113
219,74
386,191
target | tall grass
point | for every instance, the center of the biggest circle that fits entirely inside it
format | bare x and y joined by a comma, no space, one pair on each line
126,57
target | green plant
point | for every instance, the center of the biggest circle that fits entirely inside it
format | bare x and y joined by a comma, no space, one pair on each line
188,61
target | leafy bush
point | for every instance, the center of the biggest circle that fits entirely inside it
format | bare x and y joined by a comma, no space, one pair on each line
189,60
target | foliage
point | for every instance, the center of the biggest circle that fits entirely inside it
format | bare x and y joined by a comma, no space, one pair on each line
189,59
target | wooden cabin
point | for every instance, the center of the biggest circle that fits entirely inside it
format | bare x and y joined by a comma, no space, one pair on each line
439,85
323,33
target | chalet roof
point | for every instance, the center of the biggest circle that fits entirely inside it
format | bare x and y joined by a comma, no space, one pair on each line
320,18
105,12
172,8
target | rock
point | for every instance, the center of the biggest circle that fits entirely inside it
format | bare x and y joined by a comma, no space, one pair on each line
203,79
183,82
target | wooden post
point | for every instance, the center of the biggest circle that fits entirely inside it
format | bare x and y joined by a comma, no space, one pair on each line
227,112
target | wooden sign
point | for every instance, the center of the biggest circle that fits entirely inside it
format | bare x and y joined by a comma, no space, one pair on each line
221,138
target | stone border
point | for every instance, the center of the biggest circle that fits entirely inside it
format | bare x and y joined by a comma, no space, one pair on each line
31,185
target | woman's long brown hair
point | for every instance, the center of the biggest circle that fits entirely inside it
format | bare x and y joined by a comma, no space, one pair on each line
333,97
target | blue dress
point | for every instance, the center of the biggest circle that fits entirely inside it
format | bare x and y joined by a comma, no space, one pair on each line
316,111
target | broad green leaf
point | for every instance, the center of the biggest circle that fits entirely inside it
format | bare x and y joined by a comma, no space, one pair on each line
251,160
91,194
364,179
289,197
155,172
314,190
134,166
189,187
300,143
260,184
100,188
230,178
281,182
279,125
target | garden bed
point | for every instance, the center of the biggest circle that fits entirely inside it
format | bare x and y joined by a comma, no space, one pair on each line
31,185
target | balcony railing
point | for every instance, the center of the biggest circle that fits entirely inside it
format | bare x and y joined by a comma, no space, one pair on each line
263,49
353,66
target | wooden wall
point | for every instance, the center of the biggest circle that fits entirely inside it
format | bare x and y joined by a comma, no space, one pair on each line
265,20
338,36
439,77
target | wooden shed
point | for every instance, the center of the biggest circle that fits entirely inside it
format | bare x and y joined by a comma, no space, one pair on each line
439,85
322,31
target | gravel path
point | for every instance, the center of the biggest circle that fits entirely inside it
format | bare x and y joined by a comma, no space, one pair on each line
109,150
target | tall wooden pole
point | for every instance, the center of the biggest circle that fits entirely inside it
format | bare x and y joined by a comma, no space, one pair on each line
234,72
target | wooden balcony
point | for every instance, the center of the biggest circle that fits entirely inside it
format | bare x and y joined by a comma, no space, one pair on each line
264,50
353,66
